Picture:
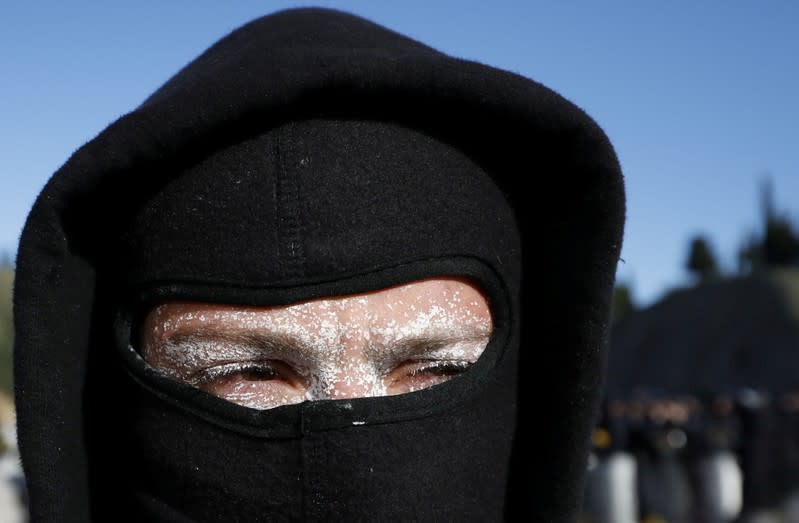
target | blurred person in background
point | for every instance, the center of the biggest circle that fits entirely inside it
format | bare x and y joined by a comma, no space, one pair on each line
710,455
665,492
303,281
758,456
714,442
788,449
611,494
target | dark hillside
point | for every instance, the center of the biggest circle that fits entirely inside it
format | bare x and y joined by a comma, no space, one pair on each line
731,333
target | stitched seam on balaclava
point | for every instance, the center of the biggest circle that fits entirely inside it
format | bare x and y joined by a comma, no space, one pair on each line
311,456
289,222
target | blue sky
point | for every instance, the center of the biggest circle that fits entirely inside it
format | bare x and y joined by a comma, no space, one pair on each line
701,99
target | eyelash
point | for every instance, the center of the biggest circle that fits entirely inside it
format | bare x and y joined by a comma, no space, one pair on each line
218,372
212,374
442,368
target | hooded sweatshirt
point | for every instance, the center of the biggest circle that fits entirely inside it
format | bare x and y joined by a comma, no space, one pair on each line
312,153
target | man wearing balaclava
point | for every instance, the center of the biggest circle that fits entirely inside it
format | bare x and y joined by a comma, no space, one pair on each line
324,273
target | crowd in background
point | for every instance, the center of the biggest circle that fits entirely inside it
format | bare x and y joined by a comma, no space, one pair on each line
657,458
731,456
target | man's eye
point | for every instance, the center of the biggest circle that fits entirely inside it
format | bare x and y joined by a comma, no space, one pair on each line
417,375
441,368
260,384
246,371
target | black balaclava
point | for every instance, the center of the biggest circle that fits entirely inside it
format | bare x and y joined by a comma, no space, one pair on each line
312,153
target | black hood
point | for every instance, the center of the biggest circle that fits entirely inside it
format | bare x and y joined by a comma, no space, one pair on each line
313,153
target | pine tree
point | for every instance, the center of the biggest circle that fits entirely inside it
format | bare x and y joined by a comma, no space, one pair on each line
701,261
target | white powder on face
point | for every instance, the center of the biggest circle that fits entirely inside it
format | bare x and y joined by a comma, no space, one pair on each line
355,346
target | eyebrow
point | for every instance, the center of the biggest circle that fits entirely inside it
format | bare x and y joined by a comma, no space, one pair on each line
266,342
417,345
290,347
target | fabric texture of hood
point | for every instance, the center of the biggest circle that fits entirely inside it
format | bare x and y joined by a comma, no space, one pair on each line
314,153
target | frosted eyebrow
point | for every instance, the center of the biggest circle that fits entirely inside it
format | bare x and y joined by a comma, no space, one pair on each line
291,348
419,344
266,342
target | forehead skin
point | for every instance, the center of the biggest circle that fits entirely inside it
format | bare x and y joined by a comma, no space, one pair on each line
341,344
379,315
